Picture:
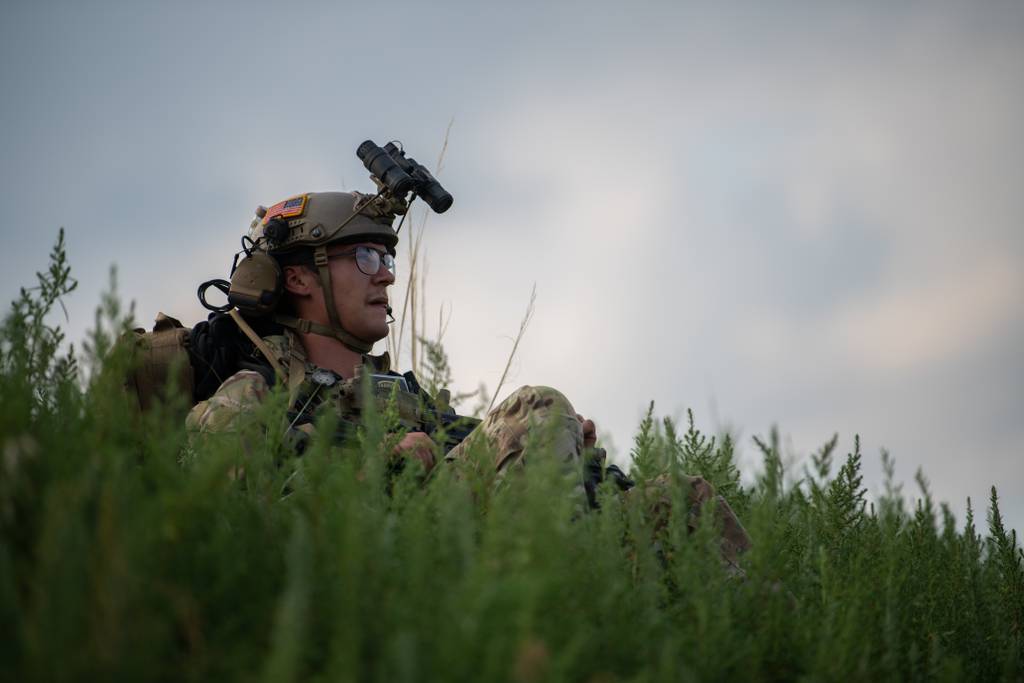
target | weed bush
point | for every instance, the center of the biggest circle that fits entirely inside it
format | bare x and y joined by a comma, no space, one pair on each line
129,555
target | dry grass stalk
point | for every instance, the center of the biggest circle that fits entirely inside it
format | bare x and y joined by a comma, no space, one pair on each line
515,345
415,291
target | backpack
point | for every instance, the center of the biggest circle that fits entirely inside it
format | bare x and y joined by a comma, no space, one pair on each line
173,361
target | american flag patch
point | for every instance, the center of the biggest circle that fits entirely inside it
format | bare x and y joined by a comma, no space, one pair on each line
286,209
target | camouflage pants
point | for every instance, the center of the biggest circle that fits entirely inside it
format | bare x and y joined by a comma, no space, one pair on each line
531,418
656,495
542,419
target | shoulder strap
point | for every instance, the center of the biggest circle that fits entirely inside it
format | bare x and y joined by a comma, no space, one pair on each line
255,339
296,376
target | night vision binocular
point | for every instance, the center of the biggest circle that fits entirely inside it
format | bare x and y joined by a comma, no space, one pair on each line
400,174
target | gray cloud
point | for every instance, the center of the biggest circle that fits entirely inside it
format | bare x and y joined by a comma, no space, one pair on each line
807,216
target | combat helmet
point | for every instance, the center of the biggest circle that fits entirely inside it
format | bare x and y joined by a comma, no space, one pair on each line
292,231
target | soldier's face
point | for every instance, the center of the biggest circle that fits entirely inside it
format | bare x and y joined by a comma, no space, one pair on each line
361,299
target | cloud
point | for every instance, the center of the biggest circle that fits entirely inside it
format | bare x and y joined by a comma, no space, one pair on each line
930,323
792,211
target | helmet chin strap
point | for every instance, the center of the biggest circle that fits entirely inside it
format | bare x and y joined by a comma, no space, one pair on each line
335,330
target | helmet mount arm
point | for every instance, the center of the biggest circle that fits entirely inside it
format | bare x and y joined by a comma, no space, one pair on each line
406,213
357,211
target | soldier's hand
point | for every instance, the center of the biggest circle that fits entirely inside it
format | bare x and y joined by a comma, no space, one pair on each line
420,446
589,431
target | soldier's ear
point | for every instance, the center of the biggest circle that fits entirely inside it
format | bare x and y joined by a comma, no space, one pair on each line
300,280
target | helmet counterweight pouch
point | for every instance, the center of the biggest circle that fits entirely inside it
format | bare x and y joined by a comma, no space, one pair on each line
256,284
160,360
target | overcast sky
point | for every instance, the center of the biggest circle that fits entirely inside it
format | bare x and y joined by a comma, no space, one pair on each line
773,213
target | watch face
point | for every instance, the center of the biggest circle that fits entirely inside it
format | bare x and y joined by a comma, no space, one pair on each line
324,377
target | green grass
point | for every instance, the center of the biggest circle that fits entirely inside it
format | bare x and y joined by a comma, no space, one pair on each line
128,555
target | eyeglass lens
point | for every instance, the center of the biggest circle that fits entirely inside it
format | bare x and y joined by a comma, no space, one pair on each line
369,260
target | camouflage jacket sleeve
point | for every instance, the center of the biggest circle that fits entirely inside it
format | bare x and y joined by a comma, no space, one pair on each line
239,395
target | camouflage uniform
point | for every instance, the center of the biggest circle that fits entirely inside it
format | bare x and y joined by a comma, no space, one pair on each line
539,412
220,413
241,393
543,419
656,495
533,419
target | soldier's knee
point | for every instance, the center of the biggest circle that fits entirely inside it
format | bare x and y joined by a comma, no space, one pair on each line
539,415
528,399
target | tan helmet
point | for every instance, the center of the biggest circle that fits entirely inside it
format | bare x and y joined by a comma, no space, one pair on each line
320,218
308,222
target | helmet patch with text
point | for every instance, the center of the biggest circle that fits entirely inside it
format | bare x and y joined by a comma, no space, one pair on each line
289,208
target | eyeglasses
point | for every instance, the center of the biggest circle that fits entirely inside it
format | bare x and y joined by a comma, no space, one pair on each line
368,260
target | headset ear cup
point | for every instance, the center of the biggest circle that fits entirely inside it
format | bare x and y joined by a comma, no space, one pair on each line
256,284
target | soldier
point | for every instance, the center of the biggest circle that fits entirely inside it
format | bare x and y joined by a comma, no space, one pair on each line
329,256
320,265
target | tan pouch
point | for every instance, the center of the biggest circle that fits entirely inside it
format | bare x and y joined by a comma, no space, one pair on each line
158,357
